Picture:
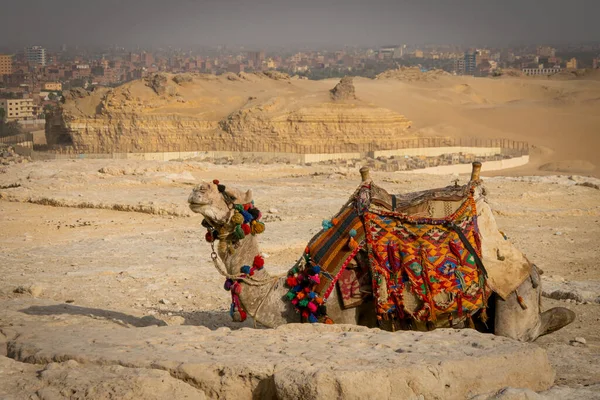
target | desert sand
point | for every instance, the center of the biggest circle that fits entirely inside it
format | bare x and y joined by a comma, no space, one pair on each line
108,290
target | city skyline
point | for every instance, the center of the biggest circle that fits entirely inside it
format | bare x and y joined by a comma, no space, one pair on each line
284,23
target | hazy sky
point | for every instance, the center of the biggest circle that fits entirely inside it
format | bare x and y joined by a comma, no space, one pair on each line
270,22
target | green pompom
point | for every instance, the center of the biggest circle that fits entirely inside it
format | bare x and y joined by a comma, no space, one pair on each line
290,295
303,303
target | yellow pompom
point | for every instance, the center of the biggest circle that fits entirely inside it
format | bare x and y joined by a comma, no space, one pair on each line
257,227
237,218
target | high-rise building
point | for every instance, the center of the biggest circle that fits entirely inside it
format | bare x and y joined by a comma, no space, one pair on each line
36,55
481,56
5,64
459,66
470,62
256,58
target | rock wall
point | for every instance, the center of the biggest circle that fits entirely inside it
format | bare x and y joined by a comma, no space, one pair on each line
170,113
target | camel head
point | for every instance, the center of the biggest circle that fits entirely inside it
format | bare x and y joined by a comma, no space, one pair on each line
208,200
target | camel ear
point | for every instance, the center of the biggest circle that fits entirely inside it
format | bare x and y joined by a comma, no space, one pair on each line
240,197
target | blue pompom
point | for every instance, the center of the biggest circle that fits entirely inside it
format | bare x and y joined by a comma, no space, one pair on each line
312,319
352,232
245,269
316,270
297,288
312,295
247,216
327,224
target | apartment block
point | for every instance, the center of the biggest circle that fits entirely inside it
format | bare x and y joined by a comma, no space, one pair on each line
5,64
17,109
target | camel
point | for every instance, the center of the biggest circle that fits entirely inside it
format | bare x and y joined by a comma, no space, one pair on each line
514,300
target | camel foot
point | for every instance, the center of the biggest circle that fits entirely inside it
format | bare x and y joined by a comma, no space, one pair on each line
555,319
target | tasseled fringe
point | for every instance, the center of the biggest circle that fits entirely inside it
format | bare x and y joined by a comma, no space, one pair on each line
470,323
483,316
521,301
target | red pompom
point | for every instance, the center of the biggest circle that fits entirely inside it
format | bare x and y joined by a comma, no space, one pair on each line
259,262
291,281
209,237
247,206
246,228
216,181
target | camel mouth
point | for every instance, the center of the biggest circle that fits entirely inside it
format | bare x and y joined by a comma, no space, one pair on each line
197,207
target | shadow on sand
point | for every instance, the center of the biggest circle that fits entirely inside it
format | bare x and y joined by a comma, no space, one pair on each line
209,319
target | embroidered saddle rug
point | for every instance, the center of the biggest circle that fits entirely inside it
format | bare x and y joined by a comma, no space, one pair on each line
425,267
420,267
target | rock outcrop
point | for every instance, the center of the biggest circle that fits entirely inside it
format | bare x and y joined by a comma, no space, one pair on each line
410,74
294,361
343,90
261,112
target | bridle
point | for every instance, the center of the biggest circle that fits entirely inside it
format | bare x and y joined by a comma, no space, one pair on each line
232,239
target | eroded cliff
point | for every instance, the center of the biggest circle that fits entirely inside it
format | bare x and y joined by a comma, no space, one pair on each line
231,112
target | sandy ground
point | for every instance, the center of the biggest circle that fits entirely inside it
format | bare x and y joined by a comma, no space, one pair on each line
560,118
74,247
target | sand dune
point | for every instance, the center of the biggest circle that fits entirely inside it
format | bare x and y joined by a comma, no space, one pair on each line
560,115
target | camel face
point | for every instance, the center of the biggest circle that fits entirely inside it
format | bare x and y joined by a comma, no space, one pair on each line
205,199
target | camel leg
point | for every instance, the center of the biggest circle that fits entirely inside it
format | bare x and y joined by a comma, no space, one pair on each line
526,325
337,313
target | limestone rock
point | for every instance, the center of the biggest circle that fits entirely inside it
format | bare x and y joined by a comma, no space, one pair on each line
344,90
170,113
293,361
158,83
578,291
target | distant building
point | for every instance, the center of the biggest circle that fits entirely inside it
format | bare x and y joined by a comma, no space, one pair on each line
481,56
419,53
541,71
572,63
36,55
236,68
256,58
470,63
595,63
52,87
546,51
17,109
5,65
459,66
146,59
392,51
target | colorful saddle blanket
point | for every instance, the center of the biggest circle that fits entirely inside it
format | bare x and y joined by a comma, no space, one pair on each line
420,267
427,260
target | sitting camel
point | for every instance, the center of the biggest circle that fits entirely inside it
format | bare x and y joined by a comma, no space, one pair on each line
501,276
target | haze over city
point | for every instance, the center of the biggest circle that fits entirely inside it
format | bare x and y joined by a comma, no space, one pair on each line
308,22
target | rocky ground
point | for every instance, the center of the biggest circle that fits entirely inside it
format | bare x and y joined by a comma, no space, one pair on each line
108,291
